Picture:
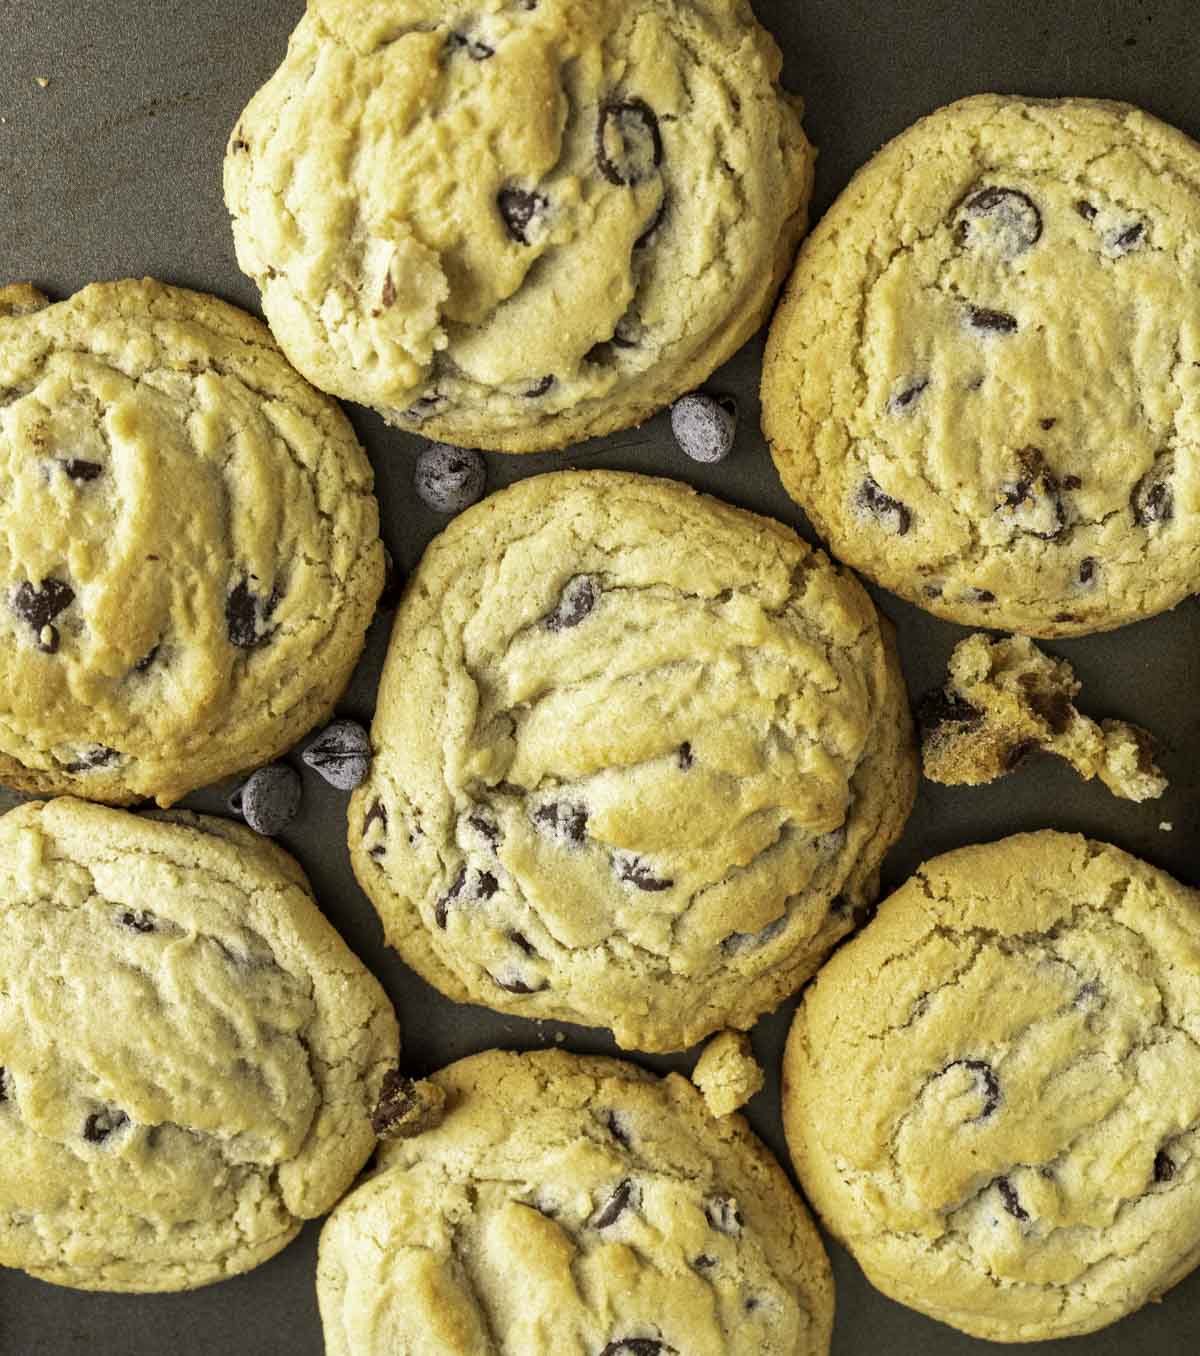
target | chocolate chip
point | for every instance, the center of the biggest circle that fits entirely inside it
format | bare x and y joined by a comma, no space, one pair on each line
614,1207
520,209
523,943
908,397
101,1124
704,428
943,707
138,922
476,50
449,479
147,660
1088,568
1048,424
377,814
723,1215
932,591
992,322
397,1098
635,1346
341,754
1032,500
1086,210
270,799
1125,240
1164,1167
629,144
1015,219
704,1262
518,986
393,583
84,470
1012,1202
424,407
247,615
1153,499
892,515
540,389
652,229
39,607
441,910
980,596
617,1128
738,942
99,755
578,598
469,886
685,757
563,820
634,871
989,1084
3,1085
1072,483
485,827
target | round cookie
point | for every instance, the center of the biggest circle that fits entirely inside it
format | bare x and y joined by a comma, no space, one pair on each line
992,1095
984,384
574,1207
638,756
516,224
189,544
189,1054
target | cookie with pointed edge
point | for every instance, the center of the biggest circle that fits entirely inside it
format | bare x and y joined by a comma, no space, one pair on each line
572,1206
189,544
638,756
516,225
189,1054
992,1095
984,383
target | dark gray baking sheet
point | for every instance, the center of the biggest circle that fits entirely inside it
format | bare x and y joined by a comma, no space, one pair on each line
114,169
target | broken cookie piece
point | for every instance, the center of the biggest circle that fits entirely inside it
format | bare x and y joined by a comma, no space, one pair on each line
1005,699
727,1073
407,1107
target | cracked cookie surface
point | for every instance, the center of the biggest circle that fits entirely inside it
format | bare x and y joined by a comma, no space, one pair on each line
572,1206
516,225
992,1095
189,1054
984,384
638,756
189,544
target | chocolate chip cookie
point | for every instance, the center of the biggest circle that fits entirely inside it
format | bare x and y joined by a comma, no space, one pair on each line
574,1207
993,1094
519,223
638,756
189,1055
984,385
189,544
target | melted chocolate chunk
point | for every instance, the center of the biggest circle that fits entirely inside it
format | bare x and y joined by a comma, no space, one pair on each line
991,322
520,209
1032,500
1012,1202
686,758
1015,220
908,397
101,1124
614,1207
894,516
1164,1167
476,50
39,607
98,756
942,707
397,1099
247,615
537,391
629,146
568,821
1153,499
84,470
577,601
138,922
1072,483
634,871
723,1215
989,1084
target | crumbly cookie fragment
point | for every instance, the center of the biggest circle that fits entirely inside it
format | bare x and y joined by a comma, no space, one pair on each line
572,1207
727,1073
992,1094
517,225
1006,699
638,758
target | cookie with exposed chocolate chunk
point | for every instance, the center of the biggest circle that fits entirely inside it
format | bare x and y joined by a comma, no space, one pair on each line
569,1206
638,757
190,1056
521,223
984,383
189,544
992,1094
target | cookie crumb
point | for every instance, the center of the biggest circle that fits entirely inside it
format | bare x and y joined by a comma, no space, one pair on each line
407,1107
42,81
1005,699
727,1073
1166,826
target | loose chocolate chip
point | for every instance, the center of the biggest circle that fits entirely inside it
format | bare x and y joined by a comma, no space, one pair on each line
686,757
629,144
613,1208
1164,1167
247,615
1018,753
892,515
989,1084
101,1124
635,1346
99,755
651,230
537,391
908,397
1153,499
566,821
1032,498
704,428
991,322
449,479
1016,221
84,470
39,607
520,209
1125,240
723,1215
1048,424
341,754
476,50
578,598
138,922
617,1127
943,707
147,660
634,871
270,799
1012,1202
1086,210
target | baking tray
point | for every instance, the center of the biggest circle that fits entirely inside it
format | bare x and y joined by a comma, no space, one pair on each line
114,169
